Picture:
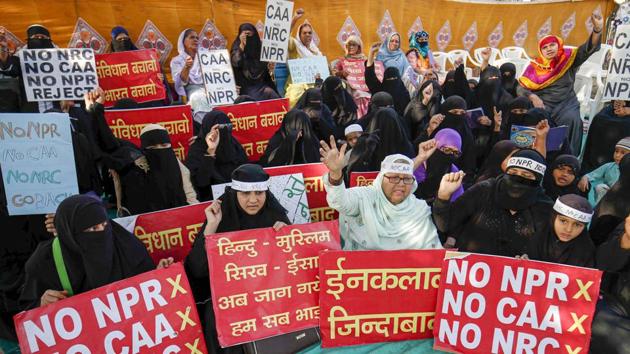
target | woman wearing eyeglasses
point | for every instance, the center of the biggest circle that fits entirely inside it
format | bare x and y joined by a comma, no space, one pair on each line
385,215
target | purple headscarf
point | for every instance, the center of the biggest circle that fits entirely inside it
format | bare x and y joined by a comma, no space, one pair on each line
448,137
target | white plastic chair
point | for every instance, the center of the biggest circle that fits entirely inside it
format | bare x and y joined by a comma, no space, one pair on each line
494,56
440,59
453,55
514,53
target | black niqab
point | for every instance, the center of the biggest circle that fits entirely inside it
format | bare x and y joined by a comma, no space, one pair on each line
338,101
549,183
285,148
508,78
319,114
417,114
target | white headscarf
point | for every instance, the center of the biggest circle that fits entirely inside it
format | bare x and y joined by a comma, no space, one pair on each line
178,63
302,49
383,225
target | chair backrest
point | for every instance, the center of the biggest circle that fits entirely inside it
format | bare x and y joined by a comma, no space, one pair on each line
514,53
440,59
494,56
599,57
453,55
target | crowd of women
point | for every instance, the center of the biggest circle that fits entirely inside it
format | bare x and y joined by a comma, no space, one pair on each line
445,180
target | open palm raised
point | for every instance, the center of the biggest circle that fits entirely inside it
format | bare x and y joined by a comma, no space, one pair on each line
332,157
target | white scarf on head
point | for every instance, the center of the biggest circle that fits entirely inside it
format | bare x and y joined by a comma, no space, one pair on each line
304,51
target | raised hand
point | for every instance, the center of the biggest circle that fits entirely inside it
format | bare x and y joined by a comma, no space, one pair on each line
449,184
332,157
498,119
243,38
189,62
213,217
542,128
212,140
484,120
49,222
598,22
298,14
435,122
425,150
427,94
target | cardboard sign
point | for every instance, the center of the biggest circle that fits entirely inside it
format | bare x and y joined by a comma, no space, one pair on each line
362,179
254,123
304,70
378,296
618,79
37,161
128,123
315,192
218,77
277,32
58,74
356,73
167,233
153,312
264,283
130,74
491,304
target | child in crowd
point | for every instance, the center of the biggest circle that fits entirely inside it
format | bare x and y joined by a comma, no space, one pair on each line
599,181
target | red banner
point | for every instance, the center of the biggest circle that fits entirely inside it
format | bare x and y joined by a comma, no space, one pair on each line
153,312
130,74
167,233
491,304
253,123
378,296
315,192
127,124
362,179
265,283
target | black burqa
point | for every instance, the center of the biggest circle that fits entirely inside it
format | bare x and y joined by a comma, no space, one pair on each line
492,166
614,207
417,114
293,143
508,78
92,259
378,100
456,84
206,170
251,74
392,84
512,118
547,247
605,131
391,132
552,189
319,114
339,101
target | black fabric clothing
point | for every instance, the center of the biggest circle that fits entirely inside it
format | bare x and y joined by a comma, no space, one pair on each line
10,87
92,259
206,170
339,101
438,165
321,118
605,131
610,329
165,181
615,262
392,84
391,132
378,100
614,206
508,78
456,84
554,191
492,166
251,74
362,156
286,148
482,226
510,118
417,114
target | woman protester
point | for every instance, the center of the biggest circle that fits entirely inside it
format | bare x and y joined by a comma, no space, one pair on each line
424,105
214,155
508,78
293,143
251,75
392,82
186,72
561,177
89,251
497,160
419,42
339,102
351,68
441,161
319,113
390,54
500,215
549,79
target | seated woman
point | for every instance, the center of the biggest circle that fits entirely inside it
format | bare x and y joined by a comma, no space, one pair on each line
390,54
419,42
610,125
497,160
448,146
214,155
561,177
500,215
424,105
566,239
186,72
599,181
319,114
386,215
92,250
293,143
251,75
339,102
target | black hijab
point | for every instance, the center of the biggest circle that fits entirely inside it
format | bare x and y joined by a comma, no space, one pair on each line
514,118
338,101
508,78
490,93
251,68
319,114
417,114
164,176
285,148
362,156
379,100
547,247
549,183
605,131
38,43
492,166
393,140
393,84
614,207
518,193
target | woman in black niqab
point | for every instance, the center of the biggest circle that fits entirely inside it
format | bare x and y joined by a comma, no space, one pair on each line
514,115
92,258
508,78
319,114
392,84
206,170
493,166
417,114
392,136
293,143
251,74
339,102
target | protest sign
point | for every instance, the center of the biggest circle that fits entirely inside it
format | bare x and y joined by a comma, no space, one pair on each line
315,192
277,32
362,179
58,74
304,70
265,283
618,79
289,190
130,74
254,123
153,312
491,304
128,123
355,287
355,68
37,161
167,233
218,77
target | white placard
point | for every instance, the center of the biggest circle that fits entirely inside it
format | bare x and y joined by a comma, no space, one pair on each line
618,79
218,77
277,32
303,70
